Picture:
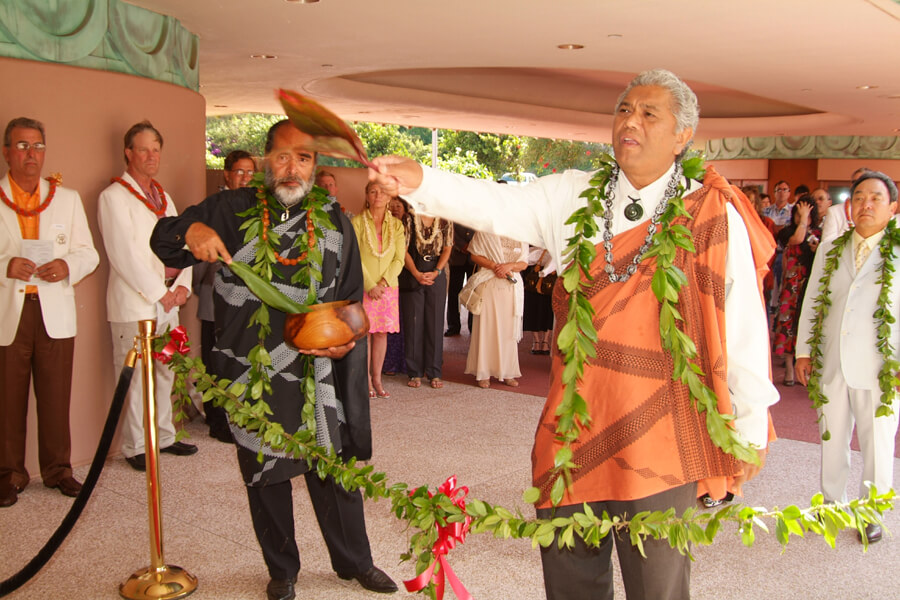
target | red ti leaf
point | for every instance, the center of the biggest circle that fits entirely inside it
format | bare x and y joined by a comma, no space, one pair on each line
331,135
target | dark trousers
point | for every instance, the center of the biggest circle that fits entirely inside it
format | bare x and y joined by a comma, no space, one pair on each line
341,521
458,274
216,416
49,361
584,573
422,313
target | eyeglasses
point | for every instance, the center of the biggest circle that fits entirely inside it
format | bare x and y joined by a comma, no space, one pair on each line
242,172
782,189
24,146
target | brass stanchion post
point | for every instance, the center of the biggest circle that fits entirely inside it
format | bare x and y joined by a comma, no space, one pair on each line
159,580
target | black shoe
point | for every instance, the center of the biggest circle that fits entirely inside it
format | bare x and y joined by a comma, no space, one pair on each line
873,533
374,580
9,495
223,435
280,589
451,333
138,462
180,449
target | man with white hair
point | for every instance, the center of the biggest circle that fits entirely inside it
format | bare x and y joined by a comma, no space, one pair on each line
644,446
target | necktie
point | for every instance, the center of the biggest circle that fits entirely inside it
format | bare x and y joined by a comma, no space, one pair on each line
862,253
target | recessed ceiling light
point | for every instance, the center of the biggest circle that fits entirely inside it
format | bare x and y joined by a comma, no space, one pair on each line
806,90
220,106
326,66
263,56
614,36
893,97
866,87
570,46
365,112
301,1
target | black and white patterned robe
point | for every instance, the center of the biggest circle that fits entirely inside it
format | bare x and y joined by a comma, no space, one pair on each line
342,402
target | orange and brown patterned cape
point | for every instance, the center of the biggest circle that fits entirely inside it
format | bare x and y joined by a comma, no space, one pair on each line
646,436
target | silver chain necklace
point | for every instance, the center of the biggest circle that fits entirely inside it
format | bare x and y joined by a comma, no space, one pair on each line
671,191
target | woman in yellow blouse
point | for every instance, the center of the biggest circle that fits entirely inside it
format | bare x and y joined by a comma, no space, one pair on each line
382,247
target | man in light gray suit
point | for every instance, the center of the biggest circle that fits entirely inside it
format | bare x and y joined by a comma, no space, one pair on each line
851,361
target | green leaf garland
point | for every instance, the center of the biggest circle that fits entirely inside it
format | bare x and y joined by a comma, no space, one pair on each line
883,320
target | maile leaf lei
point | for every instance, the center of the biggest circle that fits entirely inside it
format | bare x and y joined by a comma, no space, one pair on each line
265,265
578,336
883,316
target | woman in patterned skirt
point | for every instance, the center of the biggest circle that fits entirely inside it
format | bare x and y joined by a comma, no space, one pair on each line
382,248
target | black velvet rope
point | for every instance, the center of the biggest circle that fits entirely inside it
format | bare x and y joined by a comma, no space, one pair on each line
53,544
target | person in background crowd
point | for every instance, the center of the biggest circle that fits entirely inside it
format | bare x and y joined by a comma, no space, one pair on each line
461,267
632,429
800,190
239,170
838,219
851,358
766,200
423,295
382,248
395,355
755,198
537,313
800,240
823,202
780,213
45,249
327,181
496,297
140,285
212,230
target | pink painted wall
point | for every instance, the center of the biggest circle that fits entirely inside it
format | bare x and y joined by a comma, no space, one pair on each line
86,113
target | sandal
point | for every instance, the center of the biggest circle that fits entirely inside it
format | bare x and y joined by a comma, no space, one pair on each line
382,393
483,383
372,393
535,347
436,383
511,382
545,348
414,382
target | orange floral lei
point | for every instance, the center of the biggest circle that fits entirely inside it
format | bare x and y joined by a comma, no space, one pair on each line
159,212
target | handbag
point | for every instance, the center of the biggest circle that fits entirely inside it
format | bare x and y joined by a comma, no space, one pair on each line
536,283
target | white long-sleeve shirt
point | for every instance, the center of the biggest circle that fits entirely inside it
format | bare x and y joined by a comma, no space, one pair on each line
536,213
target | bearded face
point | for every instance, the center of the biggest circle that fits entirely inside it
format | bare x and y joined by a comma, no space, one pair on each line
288,189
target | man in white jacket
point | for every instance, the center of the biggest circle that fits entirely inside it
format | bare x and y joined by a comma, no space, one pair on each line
45,249
140,286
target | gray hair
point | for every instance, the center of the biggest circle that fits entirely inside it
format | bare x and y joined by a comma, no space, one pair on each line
24,123
684,101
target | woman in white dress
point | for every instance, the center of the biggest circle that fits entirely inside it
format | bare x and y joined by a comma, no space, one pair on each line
495,295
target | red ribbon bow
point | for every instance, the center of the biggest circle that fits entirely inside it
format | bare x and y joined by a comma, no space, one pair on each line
178,342
448,536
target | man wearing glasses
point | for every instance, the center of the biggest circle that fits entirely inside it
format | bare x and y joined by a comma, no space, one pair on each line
780,210
45,249
239,169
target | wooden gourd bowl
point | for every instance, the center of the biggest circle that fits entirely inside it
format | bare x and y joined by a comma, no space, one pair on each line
326,325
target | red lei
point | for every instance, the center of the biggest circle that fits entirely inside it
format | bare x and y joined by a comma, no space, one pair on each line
30,213
159,212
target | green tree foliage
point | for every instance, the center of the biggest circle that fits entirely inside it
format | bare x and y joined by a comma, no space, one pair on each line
498,153
386,139
245,131
464,163
543,156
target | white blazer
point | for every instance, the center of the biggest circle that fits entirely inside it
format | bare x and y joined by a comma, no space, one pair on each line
63,222
136,276
849,330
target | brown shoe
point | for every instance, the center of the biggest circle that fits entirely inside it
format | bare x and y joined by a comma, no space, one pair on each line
873,533
67,486
8,495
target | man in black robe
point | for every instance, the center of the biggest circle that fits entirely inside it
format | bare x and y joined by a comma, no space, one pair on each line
211,230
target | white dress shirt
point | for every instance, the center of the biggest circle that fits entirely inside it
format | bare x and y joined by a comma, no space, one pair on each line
536,213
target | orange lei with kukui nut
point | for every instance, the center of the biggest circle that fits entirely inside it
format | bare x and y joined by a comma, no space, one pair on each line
159,212
31,213
310,229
